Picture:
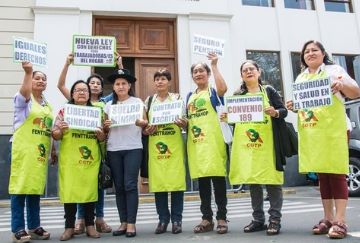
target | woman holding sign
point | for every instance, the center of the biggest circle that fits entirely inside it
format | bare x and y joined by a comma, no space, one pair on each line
166,155
125,118
206,153
30,147
96,84
79,163
321,149
254,155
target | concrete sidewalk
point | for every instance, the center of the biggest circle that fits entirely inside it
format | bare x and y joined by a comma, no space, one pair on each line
149,198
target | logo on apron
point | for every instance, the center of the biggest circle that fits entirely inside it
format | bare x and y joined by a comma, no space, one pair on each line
42,153
42,126
308,118
196,108
198,134
163,150
254,138
86,157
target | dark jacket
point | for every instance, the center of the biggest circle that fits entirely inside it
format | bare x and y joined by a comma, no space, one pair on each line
275,101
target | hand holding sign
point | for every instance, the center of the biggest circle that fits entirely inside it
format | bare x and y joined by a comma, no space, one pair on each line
141,123
70,59
213,57
27,66
181,122
337,84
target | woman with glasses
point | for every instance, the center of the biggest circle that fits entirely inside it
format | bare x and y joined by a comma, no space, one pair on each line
166,158
254,154
79,163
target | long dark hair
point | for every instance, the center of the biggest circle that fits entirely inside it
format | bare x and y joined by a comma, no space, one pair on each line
98,76
326,60
72,101
243,89
115,97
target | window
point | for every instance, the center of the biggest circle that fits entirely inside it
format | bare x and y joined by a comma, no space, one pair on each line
295,64
269,63
338,5
263,3
299,4
351,64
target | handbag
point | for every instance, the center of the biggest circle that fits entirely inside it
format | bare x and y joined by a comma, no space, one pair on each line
105,179
226,129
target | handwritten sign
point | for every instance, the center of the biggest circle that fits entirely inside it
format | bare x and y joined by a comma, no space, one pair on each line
165,113
248,108
125,114
203,45
31,51
82,117
311,94
94,50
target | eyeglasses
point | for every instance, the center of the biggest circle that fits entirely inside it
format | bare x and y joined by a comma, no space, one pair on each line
81,90
251,69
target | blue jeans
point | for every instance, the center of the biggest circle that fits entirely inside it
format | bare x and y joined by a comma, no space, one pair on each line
32,212
125,167
177,206
99,207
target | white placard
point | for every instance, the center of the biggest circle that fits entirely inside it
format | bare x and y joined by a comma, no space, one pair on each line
82,117
311,94
31,51
125,114
249,108
95,51
166,113
203,45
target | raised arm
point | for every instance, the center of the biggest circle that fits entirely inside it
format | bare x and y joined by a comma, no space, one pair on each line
220,84
26,86
62,79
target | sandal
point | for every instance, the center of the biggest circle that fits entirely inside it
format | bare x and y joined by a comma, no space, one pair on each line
322,227
338,230
102,227
39,234
204,226
254,226
273,228
222,227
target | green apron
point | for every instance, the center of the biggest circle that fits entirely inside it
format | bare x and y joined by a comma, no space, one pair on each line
205,143
79,161
30,151
323,146
166,159
253,155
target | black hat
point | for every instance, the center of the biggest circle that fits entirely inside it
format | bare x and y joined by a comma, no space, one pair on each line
121,73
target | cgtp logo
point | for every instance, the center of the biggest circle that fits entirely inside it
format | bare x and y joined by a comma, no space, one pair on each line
254,136
196,131
42,150
163,148
308,116
85,152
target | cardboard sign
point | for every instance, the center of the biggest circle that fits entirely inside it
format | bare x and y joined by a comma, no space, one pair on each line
203,45
165,113
249,108
311,94
82,117
95,51
125,114
31,51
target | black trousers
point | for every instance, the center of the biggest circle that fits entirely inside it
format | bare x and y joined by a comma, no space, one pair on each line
70,213
219,184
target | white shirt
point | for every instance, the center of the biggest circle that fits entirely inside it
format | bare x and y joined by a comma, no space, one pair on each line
124,137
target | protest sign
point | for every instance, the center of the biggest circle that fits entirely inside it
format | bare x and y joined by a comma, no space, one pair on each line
203,45
82,117
311,94
95,51
125,114
249,108
31,51
165,113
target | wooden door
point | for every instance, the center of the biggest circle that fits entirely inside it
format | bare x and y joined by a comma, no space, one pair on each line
144,71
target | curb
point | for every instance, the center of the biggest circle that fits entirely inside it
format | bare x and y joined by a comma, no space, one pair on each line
147,198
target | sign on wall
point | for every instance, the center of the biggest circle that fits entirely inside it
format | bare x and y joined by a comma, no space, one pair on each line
82,117
95,51
29,50
125,114
249,108
203,45
165,113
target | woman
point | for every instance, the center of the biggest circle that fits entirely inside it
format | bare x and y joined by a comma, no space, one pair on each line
29,154
124,153
72,175
253,155
206,153
96,84
166,173
321,149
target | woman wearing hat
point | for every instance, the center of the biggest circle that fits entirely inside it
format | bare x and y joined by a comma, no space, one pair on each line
124,152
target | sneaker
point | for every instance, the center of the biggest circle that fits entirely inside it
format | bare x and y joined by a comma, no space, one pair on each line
39,234
21,236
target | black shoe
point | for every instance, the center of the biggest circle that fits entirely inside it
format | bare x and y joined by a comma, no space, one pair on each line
274,228
130,234
119,232
161,228
254,226
176,228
